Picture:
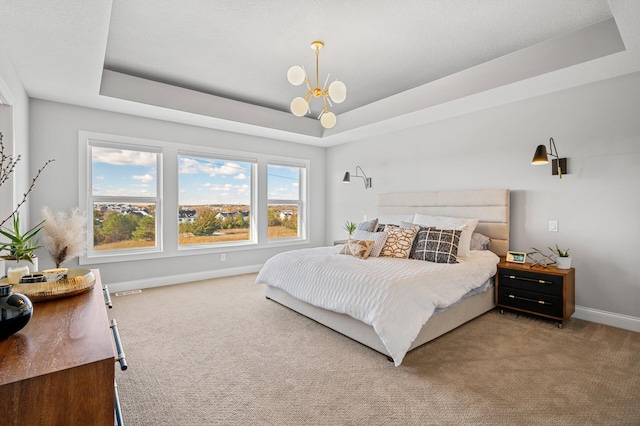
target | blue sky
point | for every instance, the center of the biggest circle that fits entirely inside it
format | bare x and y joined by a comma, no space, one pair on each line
118,172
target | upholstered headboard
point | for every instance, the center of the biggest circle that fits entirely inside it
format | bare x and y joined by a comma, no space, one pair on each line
490,206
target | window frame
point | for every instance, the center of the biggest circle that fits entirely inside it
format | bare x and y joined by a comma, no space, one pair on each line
301,202
253,202
167,181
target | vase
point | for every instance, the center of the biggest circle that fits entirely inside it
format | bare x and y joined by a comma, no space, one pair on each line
563,263
15,311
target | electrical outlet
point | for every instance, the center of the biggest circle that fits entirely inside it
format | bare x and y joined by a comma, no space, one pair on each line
223,257
365,218
553,226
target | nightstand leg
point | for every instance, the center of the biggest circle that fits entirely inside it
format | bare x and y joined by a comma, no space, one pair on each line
560,324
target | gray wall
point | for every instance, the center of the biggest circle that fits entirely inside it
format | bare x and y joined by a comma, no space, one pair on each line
597,205
54,134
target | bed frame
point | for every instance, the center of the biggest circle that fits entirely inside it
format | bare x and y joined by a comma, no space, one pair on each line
491,207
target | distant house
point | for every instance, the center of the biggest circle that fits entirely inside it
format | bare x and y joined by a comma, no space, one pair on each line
286,214
222,216
187,215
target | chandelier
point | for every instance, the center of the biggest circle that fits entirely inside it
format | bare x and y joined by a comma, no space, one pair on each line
337,92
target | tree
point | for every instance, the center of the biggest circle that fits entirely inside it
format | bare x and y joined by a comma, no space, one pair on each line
146,229
119,227
205,224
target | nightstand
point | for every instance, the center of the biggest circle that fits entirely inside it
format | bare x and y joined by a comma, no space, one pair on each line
337,242
547,292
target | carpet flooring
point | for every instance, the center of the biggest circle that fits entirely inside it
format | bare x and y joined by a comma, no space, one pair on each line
217,352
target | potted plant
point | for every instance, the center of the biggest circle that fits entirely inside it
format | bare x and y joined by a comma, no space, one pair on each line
21,247
563,260
350,227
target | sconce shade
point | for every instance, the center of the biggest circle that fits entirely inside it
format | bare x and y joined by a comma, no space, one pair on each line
540,157
347,178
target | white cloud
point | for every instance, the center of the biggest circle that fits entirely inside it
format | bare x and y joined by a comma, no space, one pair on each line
121,157
143,178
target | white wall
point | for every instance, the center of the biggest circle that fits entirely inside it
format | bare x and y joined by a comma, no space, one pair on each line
54,134
597,205
14,124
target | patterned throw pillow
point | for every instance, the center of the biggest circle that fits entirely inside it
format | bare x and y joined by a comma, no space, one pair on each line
357,248
369,226
378,238
399,242
438,245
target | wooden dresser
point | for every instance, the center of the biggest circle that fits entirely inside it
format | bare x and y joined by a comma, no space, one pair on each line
548,292
59,369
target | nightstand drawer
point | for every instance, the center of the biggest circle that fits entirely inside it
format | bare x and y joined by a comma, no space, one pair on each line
531,281
530,301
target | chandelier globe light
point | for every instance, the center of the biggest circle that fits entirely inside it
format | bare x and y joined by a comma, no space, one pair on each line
337,91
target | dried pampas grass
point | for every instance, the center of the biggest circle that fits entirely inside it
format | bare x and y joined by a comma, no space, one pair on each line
65,234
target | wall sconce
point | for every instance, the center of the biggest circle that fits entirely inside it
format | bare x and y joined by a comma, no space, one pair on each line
367,180
558,165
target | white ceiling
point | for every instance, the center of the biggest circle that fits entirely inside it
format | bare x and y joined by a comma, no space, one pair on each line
223,64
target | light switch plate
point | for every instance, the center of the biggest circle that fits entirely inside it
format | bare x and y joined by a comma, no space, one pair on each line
553,226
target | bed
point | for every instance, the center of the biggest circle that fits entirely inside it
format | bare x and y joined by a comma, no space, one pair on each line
490,207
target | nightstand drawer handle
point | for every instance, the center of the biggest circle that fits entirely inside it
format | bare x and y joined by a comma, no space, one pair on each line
541,302
514,277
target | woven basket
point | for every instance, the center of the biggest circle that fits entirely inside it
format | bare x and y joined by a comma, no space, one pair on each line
78,281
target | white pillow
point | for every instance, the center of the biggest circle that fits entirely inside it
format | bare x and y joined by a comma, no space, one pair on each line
394,219
378,238
467,226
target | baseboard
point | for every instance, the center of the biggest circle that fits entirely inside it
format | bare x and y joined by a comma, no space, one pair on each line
182,278
608,318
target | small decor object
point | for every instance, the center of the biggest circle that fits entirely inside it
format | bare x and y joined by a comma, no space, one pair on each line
350,227
55,274
14,274
516,257
563,260
32,278
16,311
539,258
78,281
64,234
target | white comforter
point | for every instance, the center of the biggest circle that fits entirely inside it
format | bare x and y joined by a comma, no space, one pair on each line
395,296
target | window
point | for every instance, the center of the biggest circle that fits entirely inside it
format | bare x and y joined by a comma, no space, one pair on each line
285,204
214,204
151,199
124,196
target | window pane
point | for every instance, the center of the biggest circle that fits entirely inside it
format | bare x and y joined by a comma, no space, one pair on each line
123,226
121,172
282,220
284,182
214,200
282,215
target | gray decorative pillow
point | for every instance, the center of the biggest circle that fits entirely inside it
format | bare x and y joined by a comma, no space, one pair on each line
480,241
438,245
378,238
369,226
